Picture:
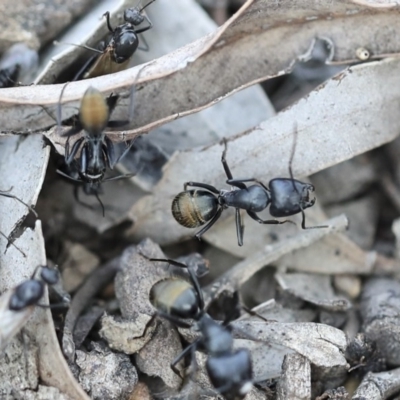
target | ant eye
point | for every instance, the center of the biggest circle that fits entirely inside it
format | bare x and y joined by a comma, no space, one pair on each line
125,46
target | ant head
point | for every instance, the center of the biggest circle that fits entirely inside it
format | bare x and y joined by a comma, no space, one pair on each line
93,112
49,275
134,15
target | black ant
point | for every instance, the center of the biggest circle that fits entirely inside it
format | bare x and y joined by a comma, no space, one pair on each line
116,54
17,305
97,150
230,371
286,196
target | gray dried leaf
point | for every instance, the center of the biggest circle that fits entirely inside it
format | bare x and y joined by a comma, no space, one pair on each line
378,386
258,28
314,289
295,382
380,310
360,172
106,375
125,335
23,162
155,358
133,284
244,270
322,345
363,214
332,144
273,311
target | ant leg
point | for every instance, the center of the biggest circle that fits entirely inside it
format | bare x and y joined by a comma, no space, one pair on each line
150,24
11,196
235,182
268,221
210,224
228,172
175,320
83,159
78,200
201,185
108,149
79,75
303,222
239,227
189,349
147,47
126,151
107,15
69,156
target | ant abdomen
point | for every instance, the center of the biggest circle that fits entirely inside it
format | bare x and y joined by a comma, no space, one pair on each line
194,208
175,297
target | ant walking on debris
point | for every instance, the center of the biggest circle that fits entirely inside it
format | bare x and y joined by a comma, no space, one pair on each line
285,196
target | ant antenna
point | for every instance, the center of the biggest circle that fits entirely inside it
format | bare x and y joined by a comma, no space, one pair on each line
11,196
100,202
57,43
59,108
303,215
152,1
292,155
12,244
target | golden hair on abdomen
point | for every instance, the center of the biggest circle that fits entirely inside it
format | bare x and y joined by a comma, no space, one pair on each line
94,111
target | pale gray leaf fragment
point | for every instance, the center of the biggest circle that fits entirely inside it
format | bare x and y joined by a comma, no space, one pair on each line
245,269
253,154
380,311
322,345
295,382
379,385
106,375
155,357
313,288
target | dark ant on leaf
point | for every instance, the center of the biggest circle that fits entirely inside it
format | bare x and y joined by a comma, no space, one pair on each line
285,196
229,370
116,53
17,305
97,150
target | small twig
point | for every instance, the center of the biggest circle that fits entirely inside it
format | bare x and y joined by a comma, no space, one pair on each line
244,270
94,283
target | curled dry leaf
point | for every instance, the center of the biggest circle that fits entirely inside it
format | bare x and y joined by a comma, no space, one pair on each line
258,28
329,131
